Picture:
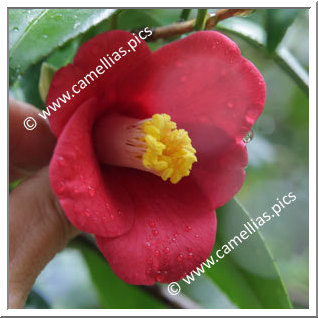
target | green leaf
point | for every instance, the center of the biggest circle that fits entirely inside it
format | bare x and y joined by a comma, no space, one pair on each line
36,301
14,184
26,87
113,292
248,274
35,33
46,75
65,54
185,14
277,23
253,34
131,19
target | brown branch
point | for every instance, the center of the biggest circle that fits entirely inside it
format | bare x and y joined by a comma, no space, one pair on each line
188,26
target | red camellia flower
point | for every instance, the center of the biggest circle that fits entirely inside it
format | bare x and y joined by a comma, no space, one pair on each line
152,146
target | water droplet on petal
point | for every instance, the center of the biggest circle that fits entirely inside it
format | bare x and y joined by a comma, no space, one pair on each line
61,161
230,105
183,79
197,236
190,255
44,36
180,258
147,244
111,216
154,232
76,190
91,191
157,253
166,250
188,228
86,212
249,137
159,276
15,29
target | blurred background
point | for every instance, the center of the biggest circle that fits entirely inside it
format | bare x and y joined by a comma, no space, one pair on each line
276,41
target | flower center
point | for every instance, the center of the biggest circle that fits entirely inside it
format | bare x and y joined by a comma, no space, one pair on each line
154,145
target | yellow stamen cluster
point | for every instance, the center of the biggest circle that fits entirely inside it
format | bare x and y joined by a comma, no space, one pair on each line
169,151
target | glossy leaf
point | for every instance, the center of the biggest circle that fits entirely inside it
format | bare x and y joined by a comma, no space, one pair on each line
132,19
35,33
26,88
277,23
248,275
65,54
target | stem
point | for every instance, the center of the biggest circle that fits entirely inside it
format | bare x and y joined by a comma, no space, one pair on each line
200,21
189,26
185,14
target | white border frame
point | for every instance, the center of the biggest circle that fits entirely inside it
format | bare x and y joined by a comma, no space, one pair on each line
312,164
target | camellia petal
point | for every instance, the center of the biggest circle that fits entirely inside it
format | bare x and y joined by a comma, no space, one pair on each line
119,86
173,232
204,79
77,181
214,93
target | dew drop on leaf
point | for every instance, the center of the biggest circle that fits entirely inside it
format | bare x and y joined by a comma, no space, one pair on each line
76,25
